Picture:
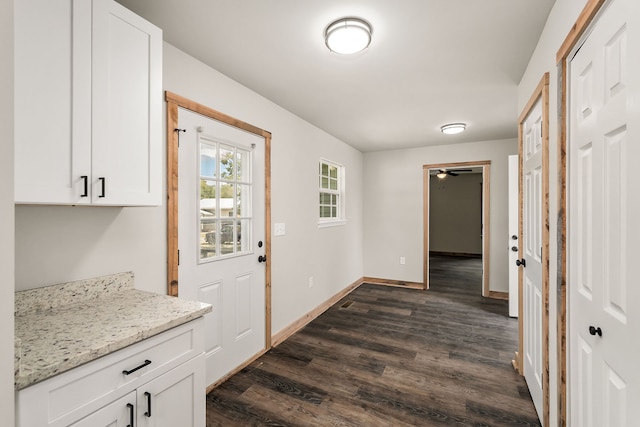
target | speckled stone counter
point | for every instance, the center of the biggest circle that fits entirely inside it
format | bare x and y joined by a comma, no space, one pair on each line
63,326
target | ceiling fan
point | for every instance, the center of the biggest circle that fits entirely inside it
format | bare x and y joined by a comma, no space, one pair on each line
442,173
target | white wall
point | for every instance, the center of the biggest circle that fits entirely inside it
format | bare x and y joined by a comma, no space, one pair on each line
393,205
455,214
562,17
6,214
333,256
55,244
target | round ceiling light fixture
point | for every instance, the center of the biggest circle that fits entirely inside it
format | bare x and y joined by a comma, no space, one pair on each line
348,35
453,128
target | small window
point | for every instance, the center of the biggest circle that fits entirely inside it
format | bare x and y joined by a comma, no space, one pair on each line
331,192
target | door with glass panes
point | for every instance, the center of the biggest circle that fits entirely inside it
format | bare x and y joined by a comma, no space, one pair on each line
221,236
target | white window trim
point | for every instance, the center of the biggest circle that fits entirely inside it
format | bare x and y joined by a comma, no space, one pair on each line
235,181
341,220
331,223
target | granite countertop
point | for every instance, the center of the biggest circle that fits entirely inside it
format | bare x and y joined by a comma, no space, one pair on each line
63,326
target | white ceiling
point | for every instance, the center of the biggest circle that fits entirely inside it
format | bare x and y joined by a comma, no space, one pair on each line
430,62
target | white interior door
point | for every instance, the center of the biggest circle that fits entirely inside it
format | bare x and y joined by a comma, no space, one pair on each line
532,251
604,213
221,219
512,242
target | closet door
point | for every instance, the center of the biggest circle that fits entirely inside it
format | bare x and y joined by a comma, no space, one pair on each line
604,207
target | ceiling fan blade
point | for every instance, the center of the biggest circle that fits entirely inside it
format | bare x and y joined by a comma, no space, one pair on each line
452,173
463,170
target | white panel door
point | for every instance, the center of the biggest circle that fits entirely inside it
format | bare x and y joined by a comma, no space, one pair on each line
221,236
532,251
512,242
604,213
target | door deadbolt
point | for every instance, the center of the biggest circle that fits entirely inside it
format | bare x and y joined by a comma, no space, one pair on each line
595,331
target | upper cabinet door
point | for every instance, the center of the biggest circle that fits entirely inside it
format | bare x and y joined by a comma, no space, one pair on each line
88,104
52,93
126,107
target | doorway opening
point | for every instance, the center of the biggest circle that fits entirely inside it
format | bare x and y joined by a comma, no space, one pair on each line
449,239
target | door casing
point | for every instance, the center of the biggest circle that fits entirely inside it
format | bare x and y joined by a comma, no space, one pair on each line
486,168
173,102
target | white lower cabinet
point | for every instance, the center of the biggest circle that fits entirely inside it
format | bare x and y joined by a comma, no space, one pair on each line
176,398
173,399
120,413
157,382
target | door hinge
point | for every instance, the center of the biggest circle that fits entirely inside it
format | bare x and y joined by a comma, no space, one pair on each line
178,256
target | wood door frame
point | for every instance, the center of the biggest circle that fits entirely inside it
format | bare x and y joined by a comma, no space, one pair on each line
584,21
486,218
541,93
173,102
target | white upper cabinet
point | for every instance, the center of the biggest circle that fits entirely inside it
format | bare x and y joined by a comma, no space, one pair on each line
126,107
88,104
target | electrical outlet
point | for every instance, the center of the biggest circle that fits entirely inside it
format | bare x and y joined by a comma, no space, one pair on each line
403,261
310,282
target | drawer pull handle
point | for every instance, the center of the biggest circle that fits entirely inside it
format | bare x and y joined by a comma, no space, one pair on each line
148,413
131,414
146,363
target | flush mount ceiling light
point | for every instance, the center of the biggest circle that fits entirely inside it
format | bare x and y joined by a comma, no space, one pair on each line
453,128
348,35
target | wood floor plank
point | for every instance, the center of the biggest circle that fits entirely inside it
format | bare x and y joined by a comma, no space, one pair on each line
284,406
389,356
497,417
224,412
359,414
409,408
339,341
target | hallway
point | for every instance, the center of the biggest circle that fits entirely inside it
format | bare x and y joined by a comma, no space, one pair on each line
387,356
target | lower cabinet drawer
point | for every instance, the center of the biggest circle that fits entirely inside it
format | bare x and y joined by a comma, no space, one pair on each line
67,397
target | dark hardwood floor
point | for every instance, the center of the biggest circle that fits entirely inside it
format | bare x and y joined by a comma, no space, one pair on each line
388,356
